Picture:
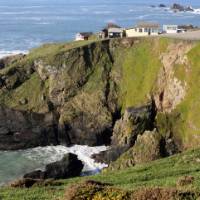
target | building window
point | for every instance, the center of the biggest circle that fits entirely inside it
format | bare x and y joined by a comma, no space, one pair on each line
140,30
146,30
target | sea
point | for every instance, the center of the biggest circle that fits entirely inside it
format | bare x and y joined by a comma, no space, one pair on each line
14,164
27,24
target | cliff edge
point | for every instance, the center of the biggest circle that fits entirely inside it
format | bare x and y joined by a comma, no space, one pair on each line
94,93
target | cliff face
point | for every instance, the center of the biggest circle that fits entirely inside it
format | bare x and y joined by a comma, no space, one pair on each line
86,87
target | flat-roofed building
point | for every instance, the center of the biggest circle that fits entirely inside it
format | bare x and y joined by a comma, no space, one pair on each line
170,28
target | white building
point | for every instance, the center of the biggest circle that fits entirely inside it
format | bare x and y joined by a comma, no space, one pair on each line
170,29
83,36
115,32
143,29
111,31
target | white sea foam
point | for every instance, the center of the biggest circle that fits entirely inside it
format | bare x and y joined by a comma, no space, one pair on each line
10,53
43,23
54,153
14,164
142,17
197,11
105,12
16,13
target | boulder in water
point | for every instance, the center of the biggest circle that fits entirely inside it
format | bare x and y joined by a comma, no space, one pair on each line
180,8
68,167
162,5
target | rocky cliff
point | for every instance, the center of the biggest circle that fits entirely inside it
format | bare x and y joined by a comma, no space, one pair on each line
103,92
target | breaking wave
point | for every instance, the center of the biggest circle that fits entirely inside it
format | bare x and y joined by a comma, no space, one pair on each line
14,164
10,53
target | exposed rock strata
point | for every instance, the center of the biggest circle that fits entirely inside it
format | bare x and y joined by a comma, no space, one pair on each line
148,147
170,90
20,129
134,122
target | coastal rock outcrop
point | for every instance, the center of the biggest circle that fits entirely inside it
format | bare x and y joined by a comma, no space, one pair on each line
148,147
162,5
92,91
21,129
68,167
134,122
126,130
170,89
180,8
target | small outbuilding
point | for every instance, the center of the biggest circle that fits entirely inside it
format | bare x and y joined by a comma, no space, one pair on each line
169,29
143,29
115,33
83,36
111,31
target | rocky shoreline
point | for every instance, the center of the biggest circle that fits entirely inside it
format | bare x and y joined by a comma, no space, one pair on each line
68,167
176,7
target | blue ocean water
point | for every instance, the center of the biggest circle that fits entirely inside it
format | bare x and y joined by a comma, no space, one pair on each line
28,23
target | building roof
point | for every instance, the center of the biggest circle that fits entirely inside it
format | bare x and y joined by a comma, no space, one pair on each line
115,30
148,25
110,25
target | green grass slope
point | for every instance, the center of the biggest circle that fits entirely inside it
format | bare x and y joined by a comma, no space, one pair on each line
163,173
140,68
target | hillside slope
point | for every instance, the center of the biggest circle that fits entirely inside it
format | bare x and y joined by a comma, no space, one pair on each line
175,177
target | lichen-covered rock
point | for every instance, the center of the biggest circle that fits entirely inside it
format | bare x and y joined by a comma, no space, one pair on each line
148,147
134,122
